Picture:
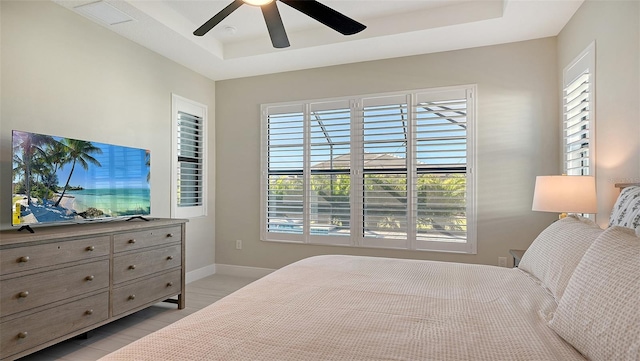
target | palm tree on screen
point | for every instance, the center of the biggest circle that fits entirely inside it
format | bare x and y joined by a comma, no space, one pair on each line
147,162
78,152
56,158
30,146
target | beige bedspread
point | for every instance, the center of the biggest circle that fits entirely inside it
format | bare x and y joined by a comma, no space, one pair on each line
366,308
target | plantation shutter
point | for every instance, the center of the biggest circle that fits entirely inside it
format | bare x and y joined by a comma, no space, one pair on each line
285,144
578,111
441,149
189,176
330,172
190,157
389,170
576,126
385,134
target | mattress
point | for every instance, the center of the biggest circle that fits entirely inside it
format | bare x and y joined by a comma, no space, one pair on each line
367,308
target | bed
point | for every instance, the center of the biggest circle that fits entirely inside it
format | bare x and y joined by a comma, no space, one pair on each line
576,296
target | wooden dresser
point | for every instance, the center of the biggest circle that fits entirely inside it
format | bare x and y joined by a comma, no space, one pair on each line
63,281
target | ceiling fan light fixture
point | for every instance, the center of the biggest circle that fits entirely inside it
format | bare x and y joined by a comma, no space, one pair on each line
257,2
312,8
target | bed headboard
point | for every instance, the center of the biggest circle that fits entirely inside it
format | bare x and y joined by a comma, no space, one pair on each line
625,185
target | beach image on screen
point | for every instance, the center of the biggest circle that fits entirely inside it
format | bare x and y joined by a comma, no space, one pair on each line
58,179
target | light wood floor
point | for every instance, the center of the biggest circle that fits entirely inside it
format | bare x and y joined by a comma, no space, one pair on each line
119,333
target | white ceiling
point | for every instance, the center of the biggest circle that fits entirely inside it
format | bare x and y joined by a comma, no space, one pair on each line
395,28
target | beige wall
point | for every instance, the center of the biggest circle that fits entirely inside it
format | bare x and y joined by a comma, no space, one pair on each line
615,28
517,140
65,75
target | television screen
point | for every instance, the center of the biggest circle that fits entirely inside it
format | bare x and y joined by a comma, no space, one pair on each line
58,179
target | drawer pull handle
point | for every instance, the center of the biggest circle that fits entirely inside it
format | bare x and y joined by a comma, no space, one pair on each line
169,235
23,259
90,248
23,294
132,241
132,297
169,258
89,278
169,284
23,334
88,312
133,266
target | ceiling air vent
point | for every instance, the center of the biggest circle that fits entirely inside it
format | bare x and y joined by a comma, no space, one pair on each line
103,12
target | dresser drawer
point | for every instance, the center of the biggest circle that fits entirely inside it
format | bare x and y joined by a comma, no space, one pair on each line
137,294
134,265
41,327
152,237
26,292
42,255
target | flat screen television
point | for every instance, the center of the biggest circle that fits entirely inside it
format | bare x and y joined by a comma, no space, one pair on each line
58,179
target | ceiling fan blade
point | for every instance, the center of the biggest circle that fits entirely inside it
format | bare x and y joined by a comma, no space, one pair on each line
218,18
326,15
274,25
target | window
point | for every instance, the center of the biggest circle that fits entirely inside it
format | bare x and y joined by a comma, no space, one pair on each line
189,175
578,110
388,170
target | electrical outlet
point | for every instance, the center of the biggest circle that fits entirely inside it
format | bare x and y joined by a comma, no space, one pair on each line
502,261
238,244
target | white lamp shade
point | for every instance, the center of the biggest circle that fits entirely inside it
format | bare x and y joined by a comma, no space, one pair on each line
565,194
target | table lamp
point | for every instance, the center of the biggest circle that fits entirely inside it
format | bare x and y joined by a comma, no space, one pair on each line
565,194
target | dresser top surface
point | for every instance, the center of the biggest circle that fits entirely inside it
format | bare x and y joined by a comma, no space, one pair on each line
13,236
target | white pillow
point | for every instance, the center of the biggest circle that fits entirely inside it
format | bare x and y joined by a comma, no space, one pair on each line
555,253
599,313
626,210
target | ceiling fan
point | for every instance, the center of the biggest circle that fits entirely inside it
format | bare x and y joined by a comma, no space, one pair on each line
312,8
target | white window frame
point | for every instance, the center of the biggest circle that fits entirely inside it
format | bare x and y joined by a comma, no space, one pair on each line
184,105
356,239
584,63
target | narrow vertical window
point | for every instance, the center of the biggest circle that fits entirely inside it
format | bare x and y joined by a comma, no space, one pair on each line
385,141
330,170
190,159
189,163
284,167
578,134
441,148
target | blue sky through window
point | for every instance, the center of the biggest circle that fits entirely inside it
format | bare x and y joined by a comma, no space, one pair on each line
440,134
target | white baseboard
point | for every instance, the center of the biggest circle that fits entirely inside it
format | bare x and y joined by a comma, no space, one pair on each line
226,269
242,271
203,272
